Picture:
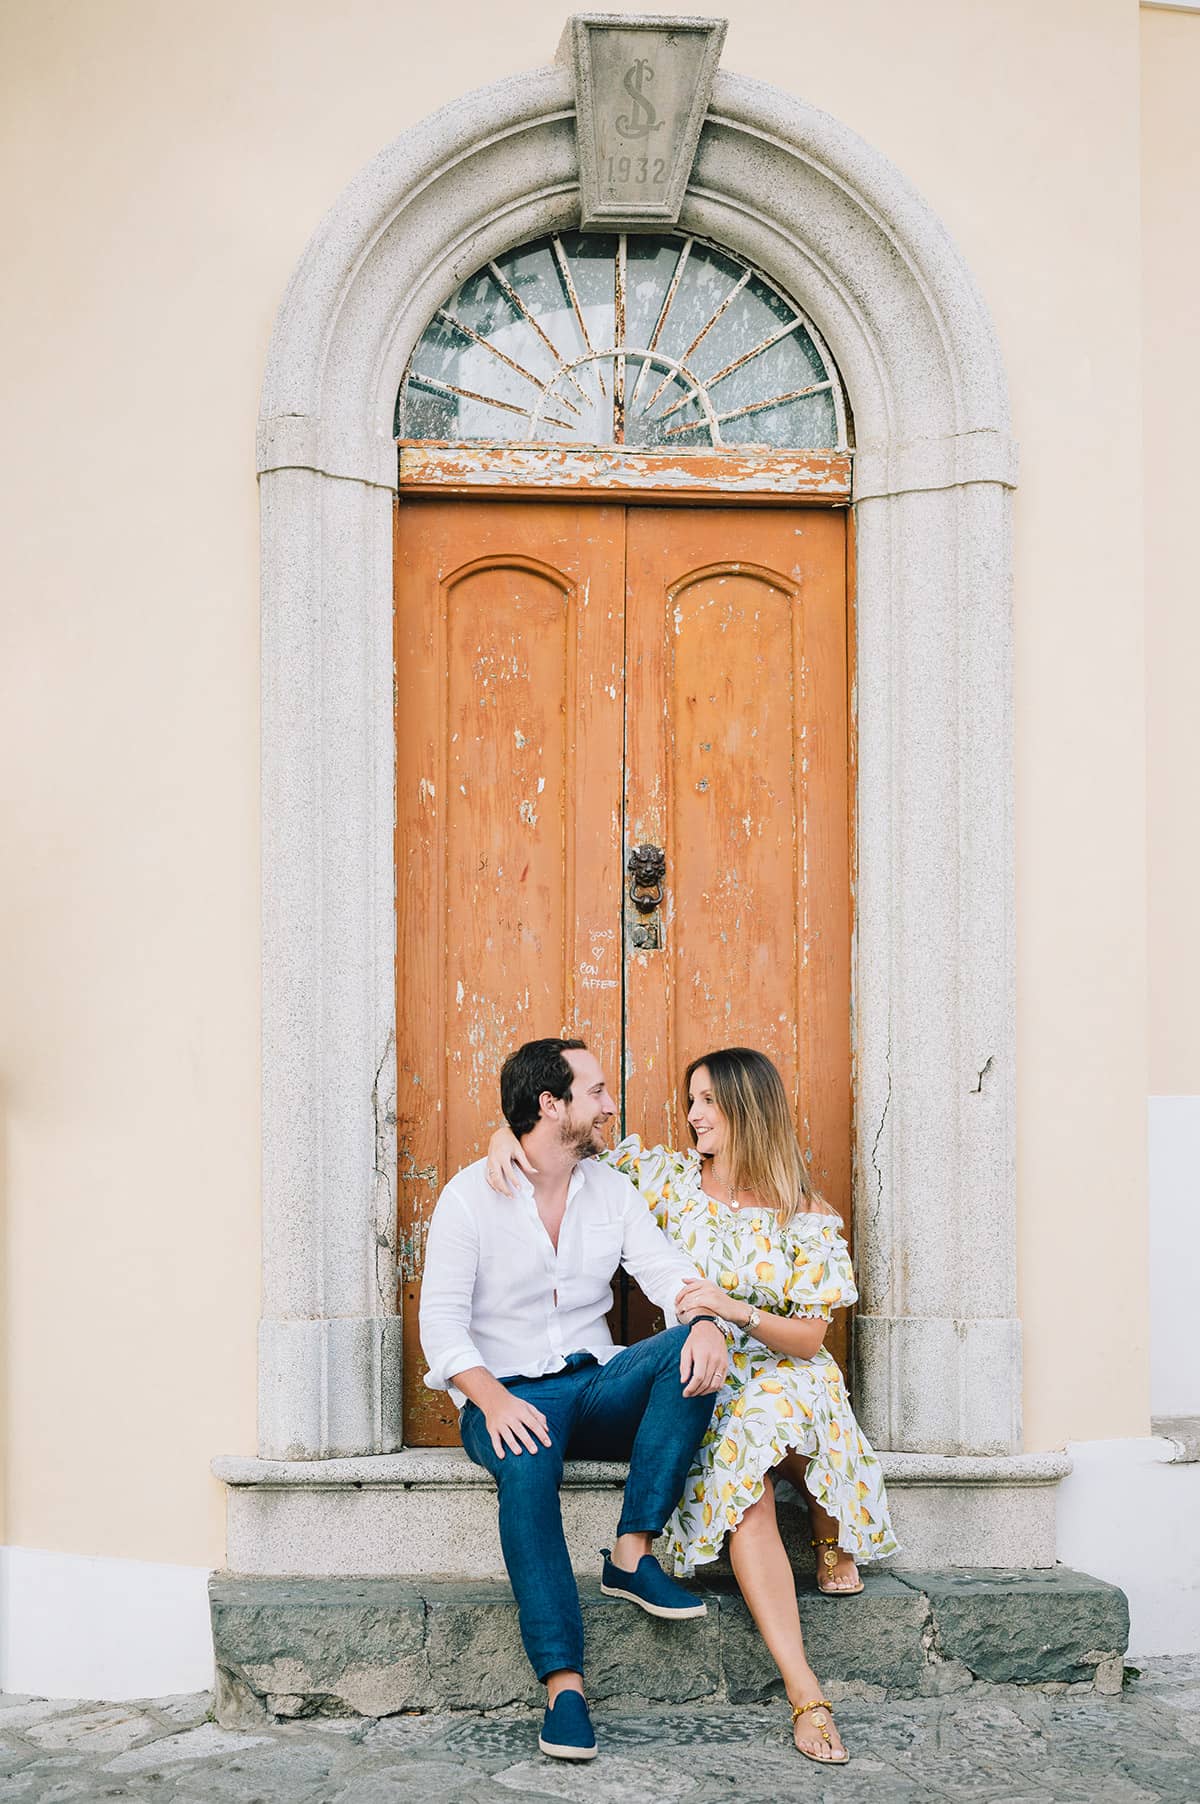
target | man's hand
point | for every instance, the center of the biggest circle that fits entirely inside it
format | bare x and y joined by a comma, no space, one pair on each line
704,1361
513,1423
700,1296
505,1151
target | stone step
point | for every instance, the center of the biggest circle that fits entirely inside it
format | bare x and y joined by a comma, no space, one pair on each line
295,1647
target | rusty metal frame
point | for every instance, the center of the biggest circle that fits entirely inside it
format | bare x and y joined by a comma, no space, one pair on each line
620,353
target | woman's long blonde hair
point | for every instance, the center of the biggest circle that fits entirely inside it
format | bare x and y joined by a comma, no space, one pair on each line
763,1151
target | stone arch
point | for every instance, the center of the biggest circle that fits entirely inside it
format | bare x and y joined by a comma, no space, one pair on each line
798,195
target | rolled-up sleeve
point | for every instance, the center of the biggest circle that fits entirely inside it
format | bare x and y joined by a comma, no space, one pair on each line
647,1255
447,1286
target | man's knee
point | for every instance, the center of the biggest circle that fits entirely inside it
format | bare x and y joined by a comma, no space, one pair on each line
527,1474
672,1341
670,1347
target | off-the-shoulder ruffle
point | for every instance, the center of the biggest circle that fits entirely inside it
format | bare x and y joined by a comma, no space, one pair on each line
801,1269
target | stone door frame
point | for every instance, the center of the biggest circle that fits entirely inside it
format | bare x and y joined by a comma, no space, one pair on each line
828,219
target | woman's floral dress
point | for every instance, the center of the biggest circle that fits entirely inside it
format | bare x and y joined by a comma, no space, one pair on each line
770,1404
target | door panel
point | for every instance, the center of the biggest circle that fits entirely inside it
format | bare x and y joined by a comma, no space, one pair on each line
509,738
737,766
574,679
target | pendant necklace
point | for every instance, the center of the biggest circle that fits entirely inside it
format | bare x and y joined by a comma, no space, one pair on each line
733,1200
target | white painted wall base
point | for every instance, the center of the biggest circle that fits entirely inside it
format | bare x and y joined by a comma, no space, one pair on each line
76,1627
1128,1513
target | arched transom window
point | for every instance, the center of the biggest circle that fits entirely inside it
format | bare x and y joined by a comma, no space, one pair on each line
657,341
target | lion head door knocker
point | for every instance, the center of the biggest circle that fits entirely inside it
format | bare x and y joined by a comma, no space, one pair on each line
647,868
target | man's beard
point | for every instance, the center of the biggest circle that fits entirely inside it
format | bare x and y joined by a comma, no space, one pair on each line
587,1142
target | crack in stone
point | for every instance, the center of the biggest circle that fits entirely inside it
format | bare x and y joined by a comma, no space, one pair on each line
887,1103
386,1270
977,1086
875,1167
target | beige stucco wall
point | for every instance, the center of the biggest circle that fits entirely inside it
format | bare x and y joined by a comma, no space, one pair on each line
170,163
1171,252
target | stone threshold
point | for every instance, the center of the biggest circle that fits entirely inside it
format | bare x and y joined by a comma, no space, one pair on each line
311,1647
430,1512
423,1468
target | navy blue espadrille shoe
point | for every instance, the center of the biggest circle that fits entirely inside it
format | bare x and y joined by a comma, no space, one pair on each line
650,1589
567,1732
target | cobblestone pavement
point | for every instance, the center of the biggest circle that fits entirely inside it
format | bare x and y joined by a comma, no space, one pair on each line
984,1745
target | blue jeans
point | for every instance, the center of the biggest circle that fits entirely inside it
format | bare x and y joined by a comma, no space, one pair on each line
632,1407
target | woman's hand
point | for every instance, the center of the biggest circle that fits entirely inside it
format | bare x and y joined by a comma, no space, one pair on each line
700,1296
505,1150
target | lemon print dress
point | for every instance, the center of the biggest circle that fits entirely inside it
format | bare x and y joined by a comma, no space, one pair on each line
770,1404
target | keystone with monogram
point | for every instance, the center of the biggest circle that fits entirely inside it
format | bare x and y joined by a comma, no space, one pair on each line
514,1301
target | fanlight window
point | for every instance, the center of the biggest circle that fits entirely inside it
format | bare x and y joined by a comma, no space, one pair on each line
619,339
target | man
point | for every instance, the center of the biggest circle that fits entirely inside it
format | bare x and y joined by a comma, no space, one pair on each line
513,1305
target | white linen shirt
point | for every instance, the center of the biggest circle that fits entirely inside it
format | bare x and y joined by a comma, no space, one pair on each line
496,1294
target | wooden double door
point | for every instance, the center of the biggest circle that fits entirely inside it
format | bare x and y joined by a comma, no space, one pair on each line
575,680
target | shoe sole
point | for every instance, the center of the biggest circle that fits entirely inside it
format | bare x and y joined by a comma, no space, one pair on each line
559,1753
667,1611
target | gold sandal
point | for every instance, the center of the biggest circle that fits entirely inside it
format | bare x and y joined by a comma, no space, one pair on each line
822,1730
829,1560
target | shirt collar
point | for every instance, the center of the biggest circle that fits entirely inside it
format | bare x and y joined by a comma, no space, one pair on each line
575,1184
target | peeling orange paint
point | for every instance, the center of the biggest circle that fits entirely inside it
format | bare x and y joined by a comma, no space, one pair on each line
791,477
699,706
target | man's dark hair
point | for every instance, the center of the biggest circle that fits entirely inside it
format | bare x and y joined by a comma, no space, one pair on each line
528,1073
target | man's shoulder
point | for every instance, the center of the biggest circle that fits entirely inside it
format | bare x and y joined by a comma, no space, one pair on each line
471,1173
467,1185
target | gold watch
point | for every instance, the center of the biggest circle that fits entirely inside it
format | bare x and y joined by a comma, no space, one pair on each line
752,1320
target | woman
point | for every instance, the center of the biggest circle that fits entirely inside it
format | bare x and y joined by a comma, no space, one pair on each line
775,1267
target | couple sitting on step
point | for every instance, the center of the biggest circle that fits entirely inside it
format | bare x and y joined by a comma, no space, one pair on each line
731,1242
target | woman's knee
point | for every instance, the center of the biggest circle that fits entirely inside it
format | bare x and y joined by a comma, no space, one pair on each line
758,1518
